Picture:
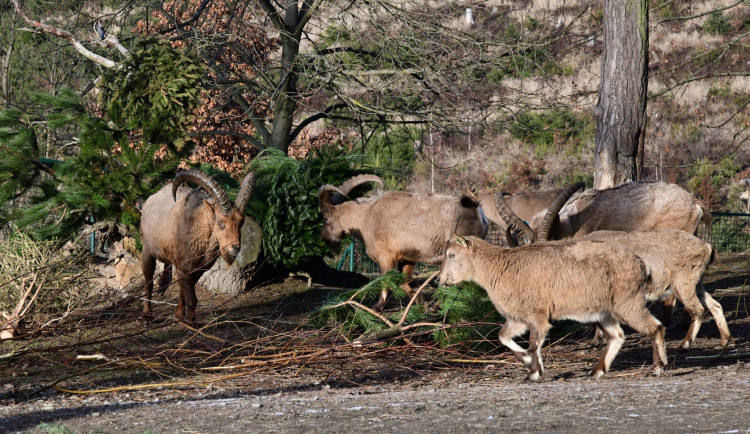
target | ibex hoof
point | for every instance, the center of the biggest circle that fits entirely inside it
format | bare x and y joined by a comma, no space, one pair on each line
533,376
597,374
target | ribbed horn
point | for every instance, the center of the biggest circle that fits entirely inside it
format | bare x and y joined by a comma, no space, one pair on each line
513,221
347,186
326,193
554,209
246,191
470,199
205,182
455,226
512,241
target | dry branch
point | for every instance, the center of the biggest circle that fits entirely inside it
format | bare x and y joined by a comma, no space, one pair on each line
42,27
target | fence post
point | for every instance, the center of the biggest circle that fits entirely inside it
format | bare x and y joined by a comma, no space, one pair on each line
348,251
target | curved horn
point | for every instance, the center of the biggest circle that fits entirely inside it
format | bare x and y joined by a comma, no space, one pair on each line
512,241
246,191
455,227
207,183
347,186
326,193
554,209
470,199
513,221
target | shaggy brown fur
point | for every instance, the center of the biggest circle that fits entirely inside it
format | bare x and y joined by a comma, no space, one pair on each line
187,232
677,261
629,207
582,280
400,228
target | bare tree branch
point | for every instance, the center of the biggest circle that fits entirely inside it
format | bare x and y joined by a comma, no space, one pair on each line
40,26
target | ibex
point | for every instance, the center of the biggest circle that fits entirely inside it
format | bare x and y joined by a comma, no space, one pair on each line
677,261
397,228
583,280
629,207
187,230
525,205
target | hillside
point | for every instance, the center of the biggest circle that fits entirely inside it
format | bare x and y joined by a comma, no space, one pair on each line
698,106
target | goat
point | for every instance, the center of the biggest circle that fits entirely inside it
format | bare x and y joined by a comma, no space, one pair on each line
677,261
628,207
583,280
187,230
397,228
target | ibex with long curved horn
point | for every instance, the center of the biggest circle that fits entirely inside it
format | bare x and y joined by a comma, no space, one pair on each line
187,230
525,205
396,227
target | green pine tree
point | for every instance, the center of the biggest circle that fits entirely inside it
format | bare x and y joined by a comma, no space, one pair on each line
285,201
118,159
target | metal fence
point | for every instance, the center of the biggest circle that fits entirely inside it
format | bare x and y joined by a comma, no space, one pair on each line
729,233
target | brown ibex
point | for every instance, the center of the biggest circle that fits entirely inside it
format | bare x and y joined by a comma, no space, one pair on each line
677,260
525,205
187,230
629,207
397,228
583,280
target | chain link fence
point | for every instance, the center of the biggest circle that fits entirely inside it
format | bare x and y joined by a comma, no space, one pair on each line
729,233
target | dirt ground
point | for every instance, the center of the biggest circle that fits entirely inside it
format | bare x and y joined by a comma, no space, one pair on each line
259,368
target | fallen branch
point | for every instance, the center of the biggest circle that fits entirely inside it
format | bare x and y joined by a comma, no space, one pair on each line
721,356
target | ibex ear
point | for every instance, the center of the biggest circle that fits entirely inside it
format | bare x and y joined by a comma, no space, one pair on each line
210,204
460,241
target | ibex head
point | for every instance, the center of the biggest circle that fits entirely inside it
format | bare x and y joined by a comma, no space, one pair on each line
228,217
331,198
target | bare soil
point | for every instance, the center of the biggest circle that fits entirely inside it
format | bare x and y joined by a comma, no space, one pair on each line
259,367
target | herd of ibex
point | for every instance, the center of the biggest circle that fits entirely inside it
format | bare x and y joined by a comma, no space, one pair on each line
593,256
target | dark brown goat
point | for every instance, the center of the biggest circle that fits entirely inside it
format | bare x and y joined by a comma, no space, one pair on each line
187,229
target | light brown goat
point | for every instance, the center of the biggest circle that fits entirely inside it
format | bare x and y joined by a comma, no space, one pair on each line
635,206
582,280
187,230
630,207
397,228
677,261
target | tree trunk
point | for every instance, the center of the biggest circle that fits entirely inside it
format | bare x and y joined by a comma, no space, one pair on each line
621,108
5,69
286,99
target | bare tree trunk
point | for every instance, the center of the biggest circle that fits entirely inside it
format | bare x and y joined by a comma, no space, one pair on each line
290,21
5,69
621,108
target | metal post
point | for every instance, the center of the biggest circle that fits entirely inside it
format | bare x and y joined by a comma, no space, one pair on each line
351,256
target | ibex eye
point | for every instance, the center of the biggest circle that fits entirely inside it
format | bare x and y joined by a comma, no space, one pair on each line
451,255
221,224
